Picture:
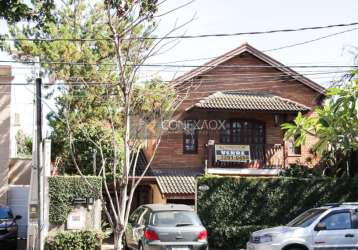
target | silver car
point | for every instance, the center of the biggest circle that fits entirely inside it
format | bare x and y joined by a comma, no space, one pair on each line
165,227
333,226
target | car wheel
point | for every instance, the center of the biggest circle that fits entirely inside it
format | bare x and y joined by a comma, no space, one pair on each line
295,248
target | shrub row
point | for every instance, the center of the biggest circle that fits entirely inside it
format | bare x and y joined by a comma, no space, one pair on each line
75,240
64,189
231,206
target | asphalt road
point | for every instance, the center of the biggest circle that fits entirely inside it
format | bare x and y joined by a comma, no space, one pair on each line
21,244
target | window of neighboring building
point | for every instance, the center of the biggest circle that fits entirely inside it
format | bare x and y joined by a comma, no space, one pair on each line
243,132
190,138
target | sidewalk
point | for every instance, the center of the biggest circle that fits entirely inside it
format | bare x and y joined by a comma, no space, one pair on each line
107,246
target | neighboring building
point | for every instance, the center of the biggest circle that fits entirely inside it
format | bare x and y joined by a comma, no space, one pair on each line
14,172
5,116
232,117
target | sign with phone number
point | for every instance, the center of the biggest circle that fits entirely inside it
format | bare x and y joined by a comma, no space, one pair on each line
232,153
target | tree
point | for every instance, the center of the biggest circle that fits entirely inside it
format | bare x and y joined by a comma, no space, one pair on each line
96,51
335,125
16,10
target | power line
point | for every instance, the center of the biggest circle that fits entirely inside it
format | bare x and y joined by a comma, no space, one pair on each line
181,66
28,68
74,81
274,49
243,74
186,36
310,41
223,81
211,77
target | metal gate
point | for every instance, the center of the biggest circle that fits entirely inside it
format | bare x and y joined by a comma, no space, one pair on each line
18,198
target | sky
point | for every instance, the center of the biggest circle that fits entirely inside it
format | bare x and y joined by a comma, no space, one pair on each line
230,16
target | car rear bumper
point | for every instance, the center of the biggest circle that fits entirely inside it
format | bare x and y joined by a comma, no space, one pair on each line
176,245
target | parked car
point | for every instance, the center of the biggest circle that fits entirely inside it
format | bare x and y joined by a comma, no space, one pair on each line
8,228
165,227
333,226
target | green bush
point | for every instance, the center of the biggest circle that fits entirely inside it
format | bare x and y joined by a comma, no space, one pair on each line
75,240
231,206
230,236
64,189
302,171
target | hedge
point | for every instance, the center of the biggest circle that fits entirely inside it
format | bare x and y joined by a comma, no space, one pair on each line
75,240
232,208
64,189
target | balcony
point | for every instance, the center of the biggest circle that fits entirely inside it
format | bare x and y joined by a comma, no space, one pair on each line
260,156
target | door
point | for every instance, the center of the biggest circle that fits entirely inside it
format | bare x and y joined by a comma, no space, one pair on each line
337,230
132,223
138,229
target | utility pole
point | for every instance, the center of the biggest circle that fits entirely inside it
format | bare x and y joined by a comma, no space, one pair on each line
38,160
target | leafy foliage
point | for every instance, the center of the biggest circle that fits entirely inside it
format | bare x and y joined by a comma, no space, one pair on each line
335,125
92,113
90,116
232,237
232,208
303,171
75,240
23,144
17,10
96,49
64,189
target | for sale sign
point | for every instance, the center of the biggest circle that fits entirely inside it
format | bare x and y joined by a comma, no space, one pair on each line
232,153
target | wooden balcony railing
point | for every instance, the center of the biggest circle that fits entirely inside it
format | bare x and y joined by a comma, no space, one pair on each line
261,156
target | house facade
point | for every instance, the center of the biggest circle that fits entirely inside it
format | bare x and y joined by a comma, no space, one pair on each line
5,115
230,123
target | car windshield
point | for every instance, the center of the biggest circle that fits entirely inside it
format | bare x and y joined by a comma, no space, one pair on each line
307,218
5,213
175,219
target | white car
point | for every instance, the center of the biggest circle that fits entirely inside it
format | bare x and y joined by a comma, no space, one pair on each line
333,226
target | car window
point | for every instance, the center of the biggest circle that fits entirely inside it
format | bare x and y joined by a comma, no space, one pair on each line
338,221
175,219
5,213
135,215
307,218
144,217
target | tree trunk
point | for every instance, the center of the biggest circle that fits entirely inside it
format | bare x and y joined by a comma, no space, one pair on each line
118,236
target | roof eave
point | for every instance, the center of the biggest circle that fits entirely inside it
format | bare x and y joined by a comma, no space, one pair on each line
245,110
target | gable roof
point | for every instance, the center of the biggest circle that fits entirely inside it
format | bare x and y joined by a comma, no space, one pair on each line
249,101
260,55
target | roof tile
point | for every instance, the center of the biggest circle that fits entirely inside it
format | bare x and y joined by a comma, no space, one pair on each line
176,181
249,101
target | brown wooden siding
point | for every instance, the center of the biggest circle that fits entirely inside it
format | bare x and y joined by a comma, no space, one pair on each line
170,151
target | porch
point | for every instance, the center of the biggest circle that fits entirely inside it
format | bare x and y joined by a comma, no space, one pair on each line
254,156
249,135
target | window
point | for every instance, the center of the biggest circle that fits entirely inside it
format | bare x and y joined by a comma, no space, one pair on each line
243,132
133,219
225,133
5,213
144,217
175,219
338,221
190,138
292,148
307,218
